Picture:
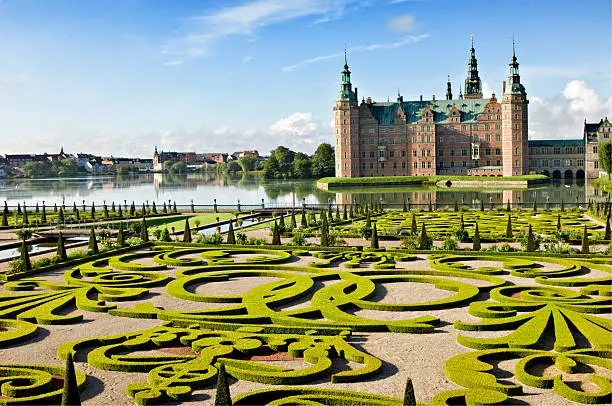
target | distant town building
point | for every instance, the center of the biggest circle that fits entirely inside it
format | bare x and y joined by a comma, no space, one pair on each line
240,154
558,158
159,158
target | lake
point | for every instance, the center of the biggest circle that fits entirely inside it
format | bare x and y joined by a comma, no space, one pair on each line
250,190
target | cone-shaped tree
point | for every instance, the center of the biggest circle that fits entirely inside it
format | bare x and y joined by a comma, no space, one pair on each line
585,241
113,209
276,240
558,222
462,222
93,242
337,213
481,205
105,211
77,214
368,221
174,207
61,248
70,395
4,219
330,213
143,210
25,255
281,224
37,209
508,206
164,209
93,211
456,206
231,238
429,207
424,242
187,232
351,212
154,209
222,395
607,232
18,208
293,223
132,210
476,240
304,221
413,227
324,242
563,205
120,211
43,216
60,215
344,213
509,227
374,240
26,221
74,208
404,207
409,397
120,236
6,210
530,240
535,205
144,233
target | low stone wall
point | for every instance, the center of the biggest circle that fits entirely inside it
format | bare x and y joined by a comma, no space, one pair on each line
490,184
352,185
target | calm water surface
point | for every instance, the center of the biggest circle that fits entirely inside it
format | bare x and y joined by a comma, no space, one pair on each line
203,188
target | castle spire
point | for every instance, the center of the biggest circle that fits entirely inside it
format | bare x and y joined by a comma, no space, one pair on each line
473,86
514,79
346,88
449,91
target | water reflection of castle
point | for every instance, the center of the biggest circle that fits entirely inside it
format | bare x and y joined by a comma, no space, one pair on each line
570,193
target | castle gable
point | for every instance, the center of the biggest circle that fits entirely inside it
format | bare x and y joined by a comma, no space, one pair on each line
470,109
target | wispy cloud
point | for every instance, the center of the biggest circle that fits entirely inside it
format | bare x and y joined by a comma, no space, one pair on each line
403,1
247,59
246,19
404,23
173,63
410,39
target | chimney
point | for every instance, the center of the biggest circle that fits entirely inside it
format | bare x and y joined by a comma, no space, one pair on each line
421,98
433,97
369,100
356,95
504,87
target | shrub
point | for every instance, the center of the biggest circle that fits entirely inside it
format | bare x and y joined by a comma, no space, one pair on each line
298,239
241,238
214,238
133,241
450,244
476,240
70,395
461,234
425,242
558,248
410,242
16,265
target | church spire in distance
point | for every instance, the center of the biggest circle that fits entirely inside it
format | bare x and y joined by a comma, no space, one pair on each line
449,91
473,86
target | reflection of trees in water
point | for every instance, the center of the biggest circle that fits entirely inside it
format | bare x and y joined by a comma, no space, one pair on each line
303,189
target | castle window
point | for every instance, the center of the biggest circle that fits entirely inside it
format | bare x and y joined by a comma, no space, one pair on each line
499,118
394,165
498,162
422,138
371,141
403,165
422,152
452,152
364,141
441,152
487,125
428,164
345,156
476,138
452,164
557,150
487,137
498,126
595,149
428,128
382,165
423,165
391,140
415,165
428,138
488,163
403,139
475,127
516,163
463,128
515,137
363,154
581,150
451,139
381,154
371,165
545,163
516,116
422,128
497,151
371,131
464,152
429,152
363,165
391,154
580,162
441,138
414,152
497,137
344,131
403,154
345,166
344,121
596,164
516,126
516,151
371,154
464,164
488,151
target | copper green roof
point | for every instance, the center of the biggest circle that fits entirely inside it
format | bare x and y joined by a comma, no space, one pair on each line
384,112
557,143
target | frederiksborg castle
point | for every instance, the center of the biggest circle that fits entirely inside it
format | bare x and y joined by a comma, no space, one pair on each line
466,135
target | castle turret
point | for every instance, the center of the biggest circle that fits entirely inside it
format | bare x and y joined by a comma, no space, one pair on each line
346,119
473,85
515,136
449,91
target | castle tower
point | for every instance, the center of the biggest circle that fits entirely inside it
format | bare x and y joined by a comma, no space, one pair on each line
514,123
346,119
449,91
473,85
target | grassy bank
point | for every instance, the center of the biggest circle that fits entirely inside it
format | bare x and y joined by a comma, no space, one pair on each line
425,180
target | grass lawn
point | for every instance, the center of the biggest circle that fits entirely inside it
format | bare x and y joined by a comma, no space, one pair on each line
269,224
204,218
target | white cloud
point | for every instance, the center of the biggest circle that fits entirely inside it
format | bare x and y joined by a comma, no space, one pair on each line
410,39
403,23
563,116
19,81
247,59
487,91
247,18
173,63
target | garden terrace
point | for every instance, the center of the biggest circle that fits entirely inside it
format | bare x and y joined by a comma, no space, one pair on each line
153,324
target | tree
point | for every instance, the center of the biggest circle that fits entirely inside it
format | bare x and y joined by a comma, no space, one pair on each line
303,219
61,248
70,395
374,240
25,216
178,167
323,161
43,216
164,209
281,224
558,222
344,213
132,210
222,395
154,209
563,205
481,205
413,228
120,236
187,232
508,206
530,240
233,167
248,162
462,223
404,207
409,397
424,241
60,216
25,255
276,240
509,227
456,206
585,241
535,205
93,243
271,167
144,233
605,156
105,211
476,240
293,224
302,166
607,233
4,219
231,238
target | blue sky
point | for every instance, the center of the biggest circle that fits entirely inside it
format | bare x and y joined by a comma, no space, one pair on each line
120,76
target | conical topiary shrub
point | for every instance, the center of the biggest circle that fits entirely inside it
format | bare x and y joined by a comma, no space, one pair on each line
231,238
585,241
70,395
132,210
344,213
144,232
281,224
462,223
113,209
404,206
324,240
187,232
154,209
563,205
303,220
558,222
374,240
508,206
530,240
60,215
222,394
409,397
43,216
93,211
61,248
25,255
413,226
424,241
293,224
120,236
92,245
276,240
607,232
535,205
456,206
481,205
26,221
476,240
4,219
509,227
105,211
164,209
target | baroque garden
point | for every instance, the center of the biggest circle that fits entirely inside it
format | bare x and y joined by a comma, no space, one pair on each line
427,312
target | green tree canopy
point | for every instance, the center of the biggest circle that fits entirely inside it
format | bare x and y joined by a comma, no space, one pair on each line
605,156
323,161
